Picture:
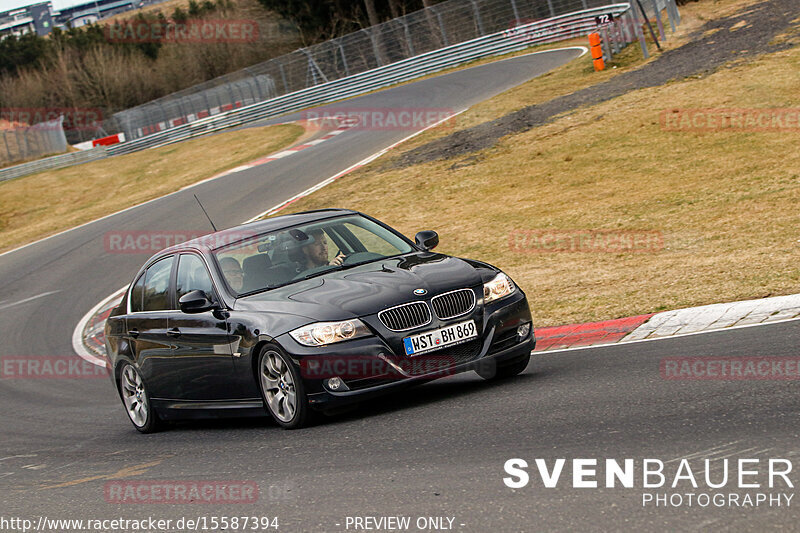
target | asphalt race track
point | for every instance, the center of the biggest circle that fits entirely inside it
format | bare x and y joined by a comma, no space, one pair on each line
435,451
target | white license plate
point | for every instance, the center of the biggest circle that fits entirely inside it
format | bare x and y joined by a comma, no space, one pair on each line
440,338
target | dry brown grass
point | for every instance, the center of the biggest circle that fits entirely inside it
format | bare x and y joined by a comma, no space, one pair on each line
726,202
43,204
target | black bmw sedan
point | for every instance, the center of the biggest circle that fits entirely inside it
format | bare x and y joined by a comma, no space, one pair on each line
304,313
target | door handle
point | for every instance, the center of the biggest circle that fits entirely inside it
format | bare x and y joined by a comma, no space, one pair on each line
133,332
174,332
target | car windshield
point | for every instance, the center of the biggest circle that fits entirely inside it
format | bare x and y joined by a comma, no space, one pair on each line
274,259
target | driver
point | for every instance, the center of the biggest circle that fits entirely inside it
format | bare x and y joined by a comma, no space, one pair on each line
315,254
232,272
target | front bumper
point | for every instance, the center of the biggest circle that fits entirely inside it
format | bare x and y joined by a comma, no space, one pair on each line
498,345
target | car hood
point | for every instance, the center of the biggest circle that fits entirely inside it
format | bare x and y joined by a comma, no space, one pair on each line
366,289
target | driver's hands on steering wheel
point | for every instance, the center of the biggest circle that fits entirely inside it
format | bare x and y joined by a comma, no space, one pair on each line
338,260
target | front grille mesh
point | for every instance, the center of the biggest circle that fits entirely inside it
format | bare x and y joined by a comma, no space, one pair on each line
454,303
406,316
442,359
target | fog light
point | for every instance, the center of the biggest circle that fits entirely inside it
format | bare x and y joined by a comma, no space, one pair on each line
336,384
523,330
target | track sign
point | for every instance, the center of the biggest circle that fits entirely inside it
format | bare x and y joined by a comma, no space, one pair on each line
601,20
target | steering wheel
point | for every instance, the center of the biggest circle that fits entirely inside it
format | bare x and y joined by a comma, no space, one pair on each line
359,257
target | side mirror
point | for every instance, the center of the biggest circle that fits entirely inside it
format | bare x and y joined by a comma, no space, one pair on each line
427,240
196,302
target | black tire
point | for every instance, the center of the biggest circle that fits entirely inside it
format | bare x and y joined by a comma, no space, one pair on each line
279,383
136,401
491,372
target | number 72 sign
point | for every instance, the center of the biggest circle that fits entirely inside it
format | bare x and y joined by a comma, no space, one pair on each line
604,19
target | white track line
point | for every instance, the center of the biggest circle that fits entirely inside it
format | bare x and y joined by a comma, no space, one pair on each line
7,306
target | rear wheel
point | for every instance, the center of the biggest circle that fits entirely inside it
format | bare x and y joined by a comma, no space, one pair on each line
136,401
282,389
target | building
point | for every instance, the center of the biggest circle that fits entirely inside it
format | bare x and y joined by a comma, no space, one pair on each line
89,12
36,18
41,18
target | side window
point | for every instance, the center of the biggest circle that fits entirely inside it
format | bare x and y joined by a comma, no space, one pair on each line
193,276
156,285
136,294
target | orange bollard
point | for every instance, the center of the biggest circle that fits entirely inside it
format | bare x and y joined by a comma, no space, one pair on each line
597,51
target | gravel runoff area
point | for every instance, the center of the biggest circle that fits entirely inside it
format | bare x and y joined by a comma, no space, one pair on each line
704,53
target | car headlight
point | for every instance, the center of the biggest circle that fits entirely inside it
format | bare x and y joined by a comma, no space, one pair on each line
323,333
500,287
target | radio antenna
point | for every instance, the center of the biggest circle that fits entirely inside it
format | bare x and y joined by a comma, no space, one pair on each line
204,212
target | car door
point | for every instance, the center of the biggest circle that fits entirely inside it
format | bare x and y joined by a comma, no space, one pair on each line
147,320
202,354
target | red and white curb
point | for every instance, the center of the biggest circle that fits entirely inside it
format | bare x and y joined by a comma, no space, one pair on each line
718,316
669,324
88,338
345,125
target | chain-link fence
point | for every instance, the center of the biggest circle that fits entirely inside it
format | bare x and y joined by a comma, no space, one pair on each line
444,24
44,138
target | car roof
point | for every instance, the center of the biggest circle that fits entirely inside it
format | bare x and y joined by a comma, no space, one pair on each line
213,241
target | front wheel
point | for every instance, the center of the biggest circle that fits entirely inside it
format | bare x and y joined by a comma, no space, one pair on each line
136,401
282,389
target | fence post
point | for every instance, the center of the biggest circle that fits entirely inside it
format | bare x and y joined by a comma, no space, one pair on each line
344,58
441,26
675,9
671,12
604,42
8,149
516,13
658,20
407,35
550,5
283,76
478,20
637,27
617,36
254,77
205,99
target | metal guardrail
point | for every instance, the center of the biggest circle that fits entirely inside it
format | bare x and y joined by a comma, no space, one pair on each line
445,23
515,39
50,163
626,29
